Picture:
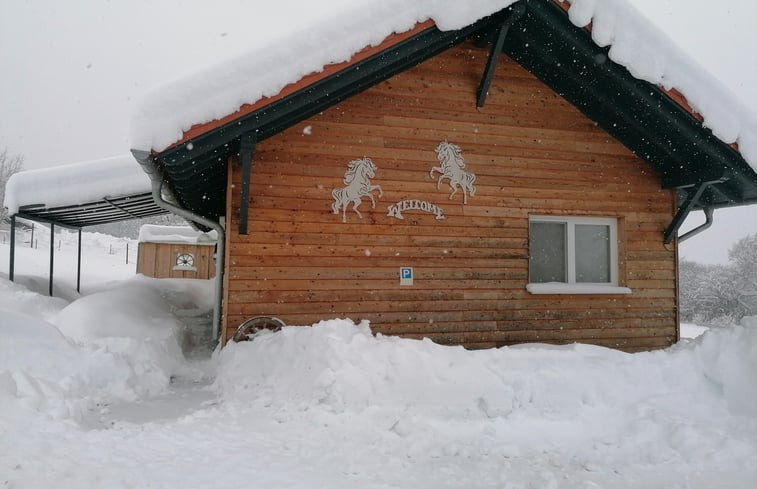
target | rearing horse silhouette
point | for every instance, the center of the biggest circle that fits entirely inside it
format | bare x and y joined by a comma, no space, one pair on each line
357,178
452,168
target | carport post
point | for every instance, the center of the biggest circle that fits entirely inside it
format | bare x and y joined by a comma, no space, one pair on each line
52,255
78,264
12,265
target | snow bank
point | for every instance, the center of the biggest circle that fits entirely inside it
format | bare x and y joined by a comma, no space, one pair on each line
39,367
728,357
160,118
342,366
131,320
76,183
15,297
574,416
120,344
690,331
153,233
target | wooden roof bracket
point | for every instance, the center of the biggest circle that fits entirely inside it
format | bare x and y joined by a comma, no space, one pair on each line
246,149
486,79
683,211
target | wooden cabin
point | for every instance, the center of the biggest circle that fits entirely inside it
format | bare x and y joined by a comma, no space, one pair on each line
442,187
175,252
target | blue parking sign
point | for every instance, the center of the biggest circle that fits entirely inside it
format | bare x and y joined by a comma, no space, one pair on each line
406,275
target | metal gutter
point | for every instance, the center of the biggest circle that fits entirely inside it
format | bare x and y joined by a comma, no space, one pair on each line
145,160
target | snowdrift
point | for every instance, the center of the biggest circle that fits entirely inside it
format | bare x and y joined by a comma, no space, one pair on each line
342,366
117,345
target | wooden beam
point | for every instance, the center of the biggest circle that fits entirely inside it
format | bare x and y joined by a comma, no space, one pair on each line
496,52
246,149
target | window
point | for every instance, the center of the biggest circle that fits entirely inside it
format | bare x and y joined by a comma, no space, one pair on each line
185,261
573,255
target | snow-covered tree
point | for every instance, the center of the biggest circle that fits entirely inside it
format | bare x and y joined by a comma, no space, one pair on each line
743,256
720,294
9,164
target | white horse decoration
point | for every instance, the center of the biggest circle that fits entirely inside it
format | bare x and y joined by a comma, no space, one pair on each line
452,168
358,184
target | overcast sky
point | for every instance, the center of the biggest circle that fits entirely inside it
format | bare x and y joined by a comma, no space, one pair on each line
71,69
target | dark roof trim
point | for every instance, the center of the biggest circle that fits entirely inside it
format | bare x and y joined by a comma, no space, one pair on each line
639,114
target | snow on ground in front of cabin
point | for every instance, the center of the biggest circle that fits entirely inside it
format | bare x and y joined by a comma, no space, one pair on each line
691,331
95,392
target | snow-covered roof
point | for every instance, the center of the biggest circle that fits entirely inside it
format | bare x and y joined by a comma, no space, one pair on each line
154,233
76,183
83,194
161,118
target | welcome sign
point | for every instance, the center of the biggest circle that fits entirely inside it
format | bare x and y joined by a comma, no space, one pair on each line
395,210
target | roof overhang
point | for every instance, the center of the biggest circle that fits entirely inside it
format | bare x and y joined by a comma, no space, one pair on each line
103,211
82,194
639,114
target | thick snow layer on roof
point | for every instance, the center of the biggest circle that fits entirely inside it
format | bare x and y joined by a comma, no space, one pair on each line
650,55
160,118
76,183
154,233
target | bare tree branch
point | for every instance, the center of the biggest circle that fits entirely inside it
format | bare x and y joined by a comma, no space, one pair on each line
9,164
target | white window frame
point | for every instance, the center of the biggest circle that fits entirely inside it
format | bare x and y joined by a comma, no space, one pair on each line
571,286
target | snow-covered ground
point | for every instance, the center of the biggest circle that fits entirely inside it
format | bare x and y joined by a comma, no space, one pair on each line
95,392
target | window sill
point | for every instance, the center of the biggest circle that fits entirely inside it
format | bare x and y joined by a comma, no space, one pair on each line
561,288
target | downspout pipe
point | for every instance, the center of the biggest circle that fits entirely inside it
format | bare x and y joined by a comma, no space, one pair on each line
708,211
156,182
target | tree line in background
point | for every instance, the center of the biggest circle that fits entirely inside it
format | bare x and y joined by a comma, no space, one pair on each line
720,295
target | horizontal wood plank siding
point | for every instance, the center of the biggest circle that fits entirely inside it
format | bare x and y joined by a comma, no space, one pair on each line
532,154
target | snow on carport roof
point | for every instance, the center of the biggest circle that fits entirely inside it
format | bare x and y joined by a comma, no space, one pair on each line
162,117
83,194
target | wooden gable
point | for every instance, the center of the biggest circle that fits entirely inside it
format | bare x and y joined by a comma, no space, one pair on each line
532,153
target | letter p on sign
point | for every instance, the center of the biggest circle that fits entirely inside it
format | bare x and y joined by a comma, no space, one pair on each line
406,275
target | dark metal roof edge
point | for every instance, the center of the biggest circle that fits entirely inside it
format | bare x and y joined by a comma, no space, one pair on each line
656,98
